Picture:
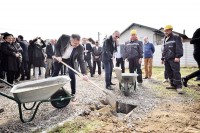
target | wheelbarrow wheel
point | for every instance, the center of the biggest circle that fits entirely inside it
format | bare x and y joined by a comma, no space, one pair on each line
57,99
126,89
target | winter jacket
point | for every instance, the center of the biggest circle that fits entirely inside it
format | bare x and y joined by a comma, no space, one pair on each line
109,47
49,51
134,49
38,54
148,50
196,42
172,48
24,44
9,60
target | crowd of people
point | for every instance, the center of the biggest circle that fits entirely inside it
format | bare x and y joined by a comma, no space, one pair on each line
19,57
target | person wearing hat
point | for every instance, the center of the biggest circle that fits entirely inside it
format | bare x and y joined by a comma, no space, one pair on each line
196,54
171,54
134,54
11,57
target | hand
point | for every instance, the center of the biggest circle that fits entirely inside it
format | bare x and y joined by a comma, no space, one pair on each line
85,77
140,61
17,55
177,60
59,59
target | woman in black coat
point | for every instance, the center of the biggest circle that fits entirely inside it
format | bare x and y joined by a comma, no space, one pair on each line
38,57
11,57
196,41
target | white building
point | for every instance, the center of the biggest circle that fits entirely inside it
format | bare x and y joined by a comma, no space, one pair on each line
155,36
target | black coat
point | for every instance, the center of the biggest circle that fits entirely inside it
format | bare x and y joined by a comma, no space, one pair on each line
173,48
77,52
196,41
38,54
9,60
108,49
87,55
24,45
97,53
49,51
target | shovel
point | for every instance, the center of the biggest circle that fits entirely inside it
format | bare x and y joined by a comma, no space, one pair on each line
110,97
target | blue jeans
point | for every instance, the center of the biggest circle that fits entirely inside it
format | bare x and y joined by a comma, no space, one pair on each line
108,66
57,67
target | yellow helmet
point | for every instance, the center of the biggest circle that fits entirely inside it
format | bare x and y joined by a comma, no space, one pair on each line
167,27
133,32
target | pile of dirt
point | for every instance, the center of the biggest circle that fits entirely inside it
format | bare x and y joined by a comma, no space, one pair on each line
172,117
97,121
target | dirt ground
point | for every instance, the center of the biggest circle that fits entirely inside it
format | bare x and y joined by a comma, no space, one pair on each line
174,114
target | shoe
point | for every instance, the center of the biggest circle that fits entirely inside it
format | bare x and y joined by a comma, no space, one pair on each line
112,83
92,75
184,80
179,90
145,78
73,99
1,110
109,88
170,87
165,80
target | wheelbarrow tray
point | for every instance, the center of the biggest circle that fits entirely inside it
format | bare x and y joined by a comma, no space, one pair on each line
128,77
38,90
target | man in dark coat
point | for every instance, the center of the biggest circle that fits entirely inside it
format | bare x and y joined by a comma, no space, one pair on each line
134,54
68,50
172,52
25,59
109,47
87,54
96,53
196,54
50,53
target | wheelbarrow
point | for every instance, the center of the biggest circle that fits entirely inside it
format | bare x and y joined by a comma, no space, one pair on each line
37,92
127,81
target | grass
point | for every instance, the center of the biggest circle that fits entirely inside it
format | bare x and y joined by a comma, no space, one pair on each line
78,126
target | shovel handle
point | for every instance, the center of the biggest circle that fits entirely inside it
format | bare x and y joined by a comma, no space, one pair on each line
81,75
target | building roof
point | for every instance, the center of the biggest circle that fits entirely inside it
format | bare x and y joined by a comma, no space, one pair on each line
135,24
157,31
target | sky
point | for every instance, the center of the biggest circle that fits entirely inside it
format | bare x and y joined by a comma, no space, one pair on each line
52,18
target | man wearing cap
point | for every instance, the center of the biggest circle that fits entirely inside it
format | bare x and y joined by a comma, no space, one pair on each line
134,54
109,47
171,54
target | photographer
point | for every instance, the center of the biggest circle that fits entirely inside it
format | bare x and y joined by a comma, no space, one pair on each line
38,56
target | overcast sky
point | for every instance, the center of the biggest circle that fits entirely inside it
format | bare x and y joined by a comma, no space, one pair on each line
51,18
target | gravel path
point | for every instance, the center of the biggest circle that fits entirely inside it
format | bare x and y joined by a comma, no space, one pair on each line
145,98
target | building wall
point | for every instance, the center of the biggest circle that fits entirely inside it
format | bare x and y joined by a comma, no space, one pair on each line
187,59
